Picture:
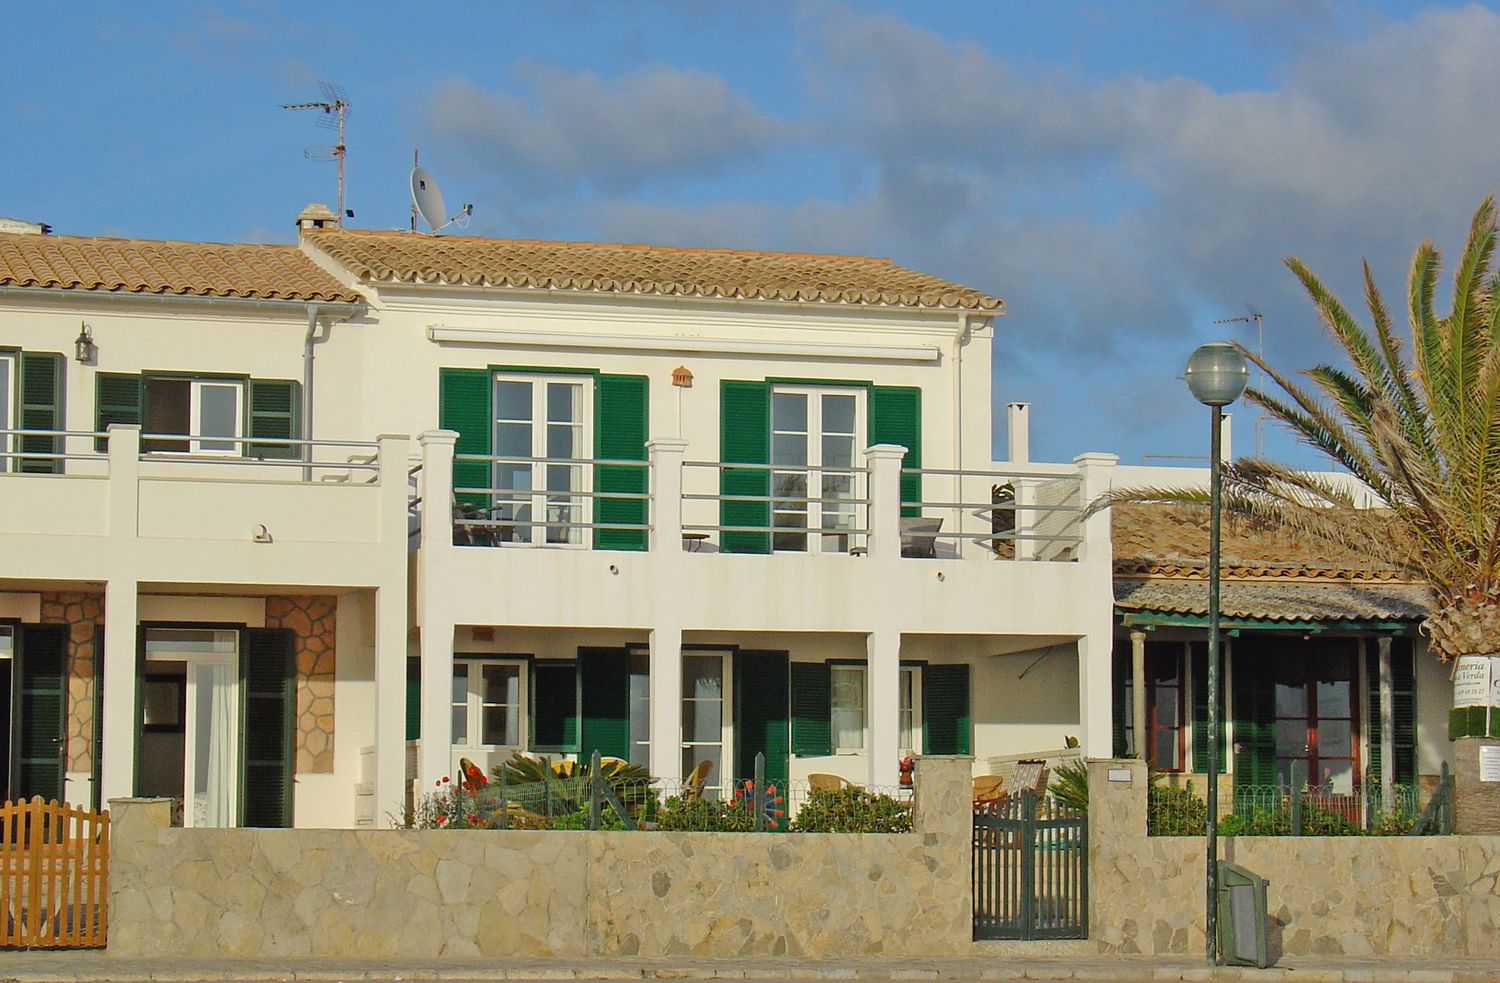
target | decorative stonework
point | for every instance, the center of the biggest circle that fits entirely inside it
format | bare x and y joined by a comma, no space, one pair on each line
83,613
313,620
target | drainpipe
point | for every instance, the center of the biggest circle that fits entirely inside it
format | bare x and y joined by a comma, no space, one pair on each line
308,341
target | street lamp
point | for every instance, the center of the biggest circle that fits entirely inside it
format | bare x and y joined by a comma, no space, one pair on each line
1216,375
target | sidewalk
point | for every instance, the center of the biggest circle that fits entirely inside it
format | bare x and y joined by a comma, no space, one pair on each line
88,966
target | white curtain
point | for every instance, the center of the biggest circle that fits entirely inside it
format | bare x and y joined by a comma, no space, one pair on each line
216,785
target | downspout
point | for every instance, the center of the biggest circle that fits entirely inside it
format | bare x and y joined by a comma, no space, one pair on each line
308,341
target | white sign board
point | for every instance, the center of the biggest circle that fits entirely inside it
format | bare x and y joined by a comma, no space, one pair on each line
1471,681
1489,763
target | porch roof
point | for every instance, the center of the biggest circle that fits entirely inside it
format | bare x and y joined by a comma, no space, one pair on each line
1291,604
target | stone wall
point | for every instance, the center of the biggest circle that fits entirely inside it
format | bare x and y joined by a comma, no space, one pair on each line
83,613
1328,895
433,893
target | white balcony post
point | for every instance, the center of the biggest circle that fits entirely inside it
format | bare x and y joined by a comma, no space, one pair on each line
117,764
883,694
665,455
884,518
390,631
1026,518
666,703
1096,473
436,617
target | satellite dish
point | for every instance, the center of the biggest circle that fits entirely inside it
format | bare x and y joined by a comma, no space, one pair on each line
428,199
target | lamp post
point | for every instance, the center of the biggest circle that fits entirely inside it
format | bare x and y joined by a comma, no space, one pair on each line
1216,375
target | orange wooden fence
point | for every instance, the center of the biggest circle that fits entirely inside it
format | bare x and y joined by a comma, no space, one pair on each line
54,875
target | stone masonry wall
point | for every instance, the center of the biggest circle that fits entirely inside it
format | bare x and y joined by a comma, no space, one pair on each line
83,613
1327,895
430,893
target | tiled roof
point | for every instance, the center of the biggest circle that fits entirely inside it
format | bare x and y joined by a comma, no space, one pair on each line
1268,572
143,266
406,257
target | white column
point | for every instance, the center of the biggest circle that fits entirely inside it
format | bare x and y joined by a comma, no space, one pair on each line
117,764
884,516
390,632
1387,713
883,702
437,618
665,455
1138,692
666,703
1096,646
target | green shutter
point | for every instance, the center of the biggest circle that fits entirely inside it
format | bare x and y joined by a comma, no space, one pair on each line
604,676
1254,712
464,407
117,399
945,709
41,708
812,708
269,700
1200,710
275,409
745,438
620,423
1122,712
554,706
413,699
895,417
40,385
760,714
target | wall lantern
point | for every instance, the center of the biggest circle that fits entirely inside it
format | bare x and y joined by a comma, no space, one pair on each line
83,346
682,377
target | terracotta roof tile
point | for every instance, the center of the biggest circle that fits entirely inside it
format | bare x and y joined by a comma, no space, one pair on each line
143,266
405,257
1290,601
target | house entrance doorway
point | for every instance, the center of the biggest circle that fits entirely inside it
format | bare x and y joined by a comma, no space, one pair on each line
1315,718
190,741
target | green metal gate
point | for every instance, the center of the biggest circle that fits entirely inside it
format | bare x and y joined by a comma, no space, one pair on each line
1030,869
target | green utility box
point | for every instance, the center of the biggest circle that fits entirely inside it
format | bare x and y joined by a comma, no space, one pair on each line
1242,917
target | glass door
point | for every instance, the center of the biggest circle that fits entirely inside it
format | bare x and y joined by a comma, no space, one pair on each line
190,723
541,429
814,437
1315,720
705,723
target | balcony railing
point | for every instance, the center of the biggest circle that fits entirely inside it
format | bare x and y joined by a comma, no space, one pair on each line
582,502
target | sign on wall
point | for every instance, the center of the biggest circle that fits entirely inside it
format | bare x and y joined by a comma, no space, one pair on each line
1476,697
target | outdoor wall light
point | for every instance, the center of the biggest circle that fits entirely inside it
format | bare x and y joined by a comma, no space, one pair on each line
259,533
83,345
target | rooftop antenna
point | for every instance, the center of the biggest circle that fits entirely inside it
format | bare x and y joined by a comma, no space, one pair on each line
1258,429
427,201
335,107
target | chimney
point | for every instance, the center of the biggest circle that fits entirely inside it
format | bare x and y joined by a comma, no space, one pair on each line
316,216
17,227
1225,431
1018,432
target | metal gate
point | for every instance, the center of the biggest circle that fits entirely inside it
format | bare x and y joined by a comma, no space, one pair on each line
1030,869
54,875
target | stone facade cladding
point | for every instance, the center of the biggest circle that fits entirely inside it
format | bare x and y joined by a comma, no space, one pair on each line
313,621
1327,895
432,893
83,613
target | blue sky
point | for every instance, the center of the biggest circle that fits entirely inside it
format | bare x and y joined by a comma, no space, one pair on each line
1121,174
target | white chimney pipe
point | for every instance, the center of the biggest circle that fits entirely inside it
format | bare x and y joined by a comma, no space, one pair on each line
1018,432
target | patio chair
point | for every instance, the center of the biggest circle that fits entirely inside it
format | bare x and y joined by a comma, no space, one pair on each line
697,780
822,782
987,788
1030,773
919,536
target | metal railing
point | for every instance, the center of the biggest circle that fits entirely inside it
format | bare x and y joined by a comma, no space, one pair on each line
281,458
786,505
486,515
1030,515
41,452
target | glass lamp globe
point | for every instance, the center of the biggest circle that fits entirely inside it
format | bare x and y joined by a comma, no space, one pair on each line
1217,373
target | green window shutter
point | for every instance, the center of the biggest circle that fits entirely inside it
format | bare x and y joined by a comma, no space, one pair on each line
761,714
745,438
268,698
117,399
812,708
413,699
604,684
1200,710
275,412
1122,719
554,706
945,709
40,385
895,417
621,415
464,407
1254,713
41,709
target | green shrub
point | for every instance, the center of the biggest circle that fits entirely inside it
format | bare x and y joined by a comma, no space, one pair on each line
703,815
1070,785
852,810
1176,812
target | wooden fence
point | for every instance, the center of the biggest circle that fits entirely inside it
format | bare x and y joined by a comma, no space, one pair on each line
54,875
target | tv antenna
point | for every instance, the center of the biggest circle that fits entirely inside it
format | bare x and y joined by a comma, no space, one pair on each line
335,107
427,201
1258,429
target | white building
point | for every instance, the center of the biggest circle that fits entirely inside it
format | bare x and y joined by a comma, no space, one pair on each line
670,505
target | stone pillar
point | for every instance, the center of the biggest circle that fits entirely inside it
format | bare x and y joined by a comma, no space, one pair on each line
665,455
883,541
117,764
666,703
942,811
1138,693
1118,852
883,699
1476,804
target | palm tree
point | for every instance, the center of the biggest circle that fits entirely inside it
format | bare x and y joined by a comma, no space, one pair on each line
1415,416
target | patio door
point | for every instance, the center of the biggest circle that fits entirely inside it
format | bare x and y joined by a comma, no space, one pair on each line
1315,715
541,441
706,735
190,723
814,436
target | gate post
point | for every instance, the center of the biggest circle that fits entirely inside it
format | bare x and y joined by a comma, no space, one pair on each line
942,808
1117,841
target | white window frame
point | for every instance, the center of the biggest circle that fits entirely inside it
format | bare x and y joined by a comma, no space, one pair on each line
537,533
725,743
816,540
835,707
909,697
197,648
474,704
197,442
9,400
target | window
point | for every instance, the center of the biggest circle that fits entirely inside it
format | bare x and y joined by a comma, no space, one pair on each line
640,710
540,427
847,709
814,437
1166,706
705,722
210,411
7,399
487,702
911,710
202,414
